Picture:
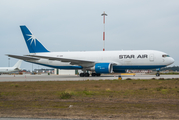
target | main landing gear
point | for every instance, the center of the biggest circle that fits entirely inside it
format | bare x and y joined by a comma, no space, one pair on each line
95,74
87,74
84,74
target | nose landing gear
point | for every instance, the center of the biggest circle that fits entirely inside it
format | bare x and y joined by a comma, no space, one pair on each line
158,72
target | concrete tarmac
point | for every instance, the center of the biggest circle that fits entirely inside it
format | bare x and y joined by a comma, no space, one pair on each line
45,77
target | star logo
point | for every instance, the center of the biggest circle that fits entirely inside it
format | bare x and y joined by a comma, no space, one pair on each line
32,38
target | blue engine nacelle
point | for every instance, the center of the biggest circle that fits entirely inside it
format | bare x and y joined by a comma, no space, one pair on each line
103,68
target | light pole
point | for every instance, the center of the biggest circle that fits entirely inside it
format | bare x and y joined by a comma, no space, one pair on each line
104,14
8,62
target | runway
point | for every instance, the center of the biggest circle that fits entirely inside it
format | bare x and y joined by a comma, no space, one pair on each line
45,77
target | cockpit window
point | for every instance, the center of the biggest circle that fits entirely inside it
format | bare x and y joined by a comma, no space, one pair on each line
165,56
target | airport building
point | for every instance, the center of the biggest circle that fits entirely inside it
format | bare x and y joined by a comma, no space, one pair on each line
56,71
65,72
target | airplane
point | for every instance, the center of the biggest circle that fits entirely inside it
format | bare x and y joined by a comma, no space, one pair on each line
98,62
15,68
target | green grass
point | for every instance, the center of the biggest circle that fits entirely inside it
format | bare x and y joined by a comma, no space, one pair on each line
65,95
99,98
170,73
79,89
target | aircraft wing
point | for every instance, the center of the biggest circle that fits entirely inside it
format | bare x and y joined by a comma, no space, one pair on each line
83,63
23,57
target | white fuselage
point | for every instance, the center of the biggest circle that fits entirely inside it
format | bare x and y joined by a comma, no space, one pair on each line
134,59
8,69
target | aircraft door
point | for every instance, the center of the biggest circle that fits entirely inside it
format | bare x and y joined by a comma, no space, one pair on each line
151,57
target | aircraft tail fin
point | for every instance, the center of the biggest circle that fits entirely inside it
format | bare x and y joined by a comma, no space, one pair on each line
33,44
18,64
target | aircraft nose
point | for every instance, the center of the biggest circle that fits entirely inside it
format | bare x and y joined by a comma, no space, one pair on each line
172,60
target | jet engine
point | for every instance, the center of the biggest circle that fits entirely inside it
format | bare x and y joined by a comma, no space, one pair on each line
102,68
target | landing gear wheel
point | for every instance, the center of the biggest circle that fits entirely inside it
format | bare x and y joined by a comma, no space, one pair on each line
98,74
93,74
81,74
157,74
86,74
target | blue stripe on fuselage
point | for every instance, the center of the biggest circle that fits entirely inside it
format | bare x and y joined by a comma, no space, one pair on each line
138,67
115,68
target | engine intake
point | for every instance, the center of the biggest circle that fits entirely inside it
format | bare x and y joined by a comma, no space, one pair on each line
103,68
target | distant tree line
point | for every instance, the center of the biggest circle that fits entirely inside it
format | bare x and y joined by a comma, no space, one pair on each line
174,68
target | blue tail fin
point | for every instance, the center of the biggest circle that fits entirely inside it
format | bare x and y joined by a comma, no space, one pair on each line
33,44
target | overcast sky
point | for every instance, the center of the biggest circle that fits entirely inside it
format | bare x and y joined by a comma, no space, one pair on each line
77,25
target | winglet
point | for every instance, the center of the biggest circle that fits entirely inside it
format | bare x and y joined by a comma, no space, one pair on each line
33,44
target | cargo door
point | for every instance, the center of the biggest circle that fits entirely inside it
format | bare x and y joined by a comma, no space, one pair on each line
151,57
